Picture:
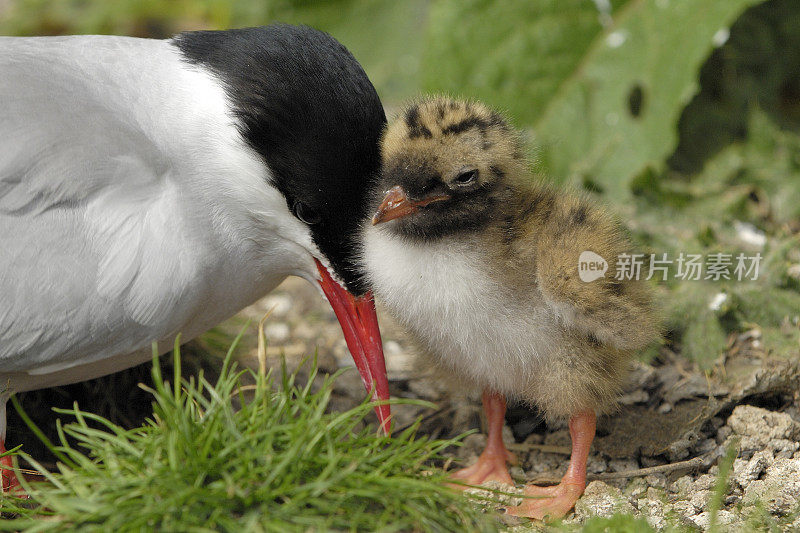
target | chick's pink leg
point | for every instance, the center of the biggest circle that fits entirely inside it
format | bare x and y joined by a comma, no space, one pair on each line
491,465
555,502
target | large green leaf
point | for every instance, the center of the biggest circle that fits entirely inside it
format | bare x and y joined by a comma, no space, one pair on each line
513,54
603,102
618,113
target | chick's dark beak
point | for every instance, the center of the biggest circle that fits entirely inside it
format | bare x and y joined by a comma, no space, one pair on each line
359,324
396,204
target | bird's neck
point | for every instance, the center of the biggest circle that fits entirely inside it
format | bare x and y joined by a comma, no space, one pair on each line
230,184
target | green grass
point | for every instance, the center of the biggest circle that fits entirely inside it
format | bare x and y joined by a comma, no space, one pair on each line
721,486
231,457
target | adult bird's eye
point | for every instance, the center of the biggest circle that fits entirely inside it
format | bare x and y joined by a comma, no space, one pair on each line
305,213
467,177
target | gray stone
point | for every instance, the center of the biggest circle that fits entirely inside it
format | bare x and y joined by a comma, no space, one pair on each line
703,520
783,448
653,512
636,488
516,472
704,482
705,446
654,493
404,415
276,332
304,331
657,480
684,508
392,348
541,462
779,491
732,499
723,433
680,449
508,435
744,472
700,499
281,304
794,526
601,499
682,485
757,427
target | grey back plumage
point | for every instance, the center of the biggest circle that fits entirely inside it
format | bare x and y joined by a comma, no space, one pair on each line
125,192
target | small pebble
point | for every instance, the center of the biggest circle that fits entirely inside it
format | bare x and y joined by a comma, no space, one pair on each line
281,303
705,482
276,332
654,493
636,488
700,499
657,480
703,520
682,485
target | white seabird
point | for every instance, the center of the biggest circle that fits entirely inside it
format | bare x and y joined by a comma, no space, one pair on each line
156,187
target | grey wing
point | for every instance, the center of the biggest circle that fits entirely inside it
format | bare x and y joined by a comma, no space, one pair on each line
90,262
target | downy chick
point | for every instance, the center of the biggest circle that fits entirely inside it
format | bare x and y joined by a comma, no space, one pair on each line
479,262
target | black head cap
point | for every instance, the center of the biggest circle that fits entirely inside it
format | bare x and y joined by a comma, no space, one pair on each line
307,107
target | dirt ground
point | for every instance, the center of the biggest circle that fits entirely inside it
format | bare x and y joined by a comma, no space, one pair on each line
657,457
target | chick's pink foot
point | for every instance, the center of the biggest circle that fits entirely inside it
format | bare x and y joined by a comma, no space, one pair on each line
554,502
491,465
548,502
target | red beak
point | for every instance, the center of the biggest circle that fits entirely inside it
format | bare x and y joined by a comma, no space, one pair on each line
360,327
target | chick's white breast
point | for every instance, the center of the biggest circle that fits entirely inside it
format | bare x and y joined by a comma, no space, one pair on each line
446,295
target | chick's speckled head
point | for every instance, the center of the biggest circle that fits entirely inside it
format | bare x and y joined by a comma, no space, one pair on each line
444,162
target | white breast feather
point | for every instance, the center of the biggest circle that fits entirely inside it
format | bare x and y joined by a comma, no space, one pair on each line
445,294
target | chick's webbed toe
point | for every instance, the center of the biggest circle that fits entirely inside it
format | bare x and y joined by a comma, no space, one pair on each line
491,464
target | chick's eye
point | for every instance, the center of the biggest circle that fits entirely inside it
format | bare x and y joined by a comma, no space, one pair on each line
467,177
305,213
